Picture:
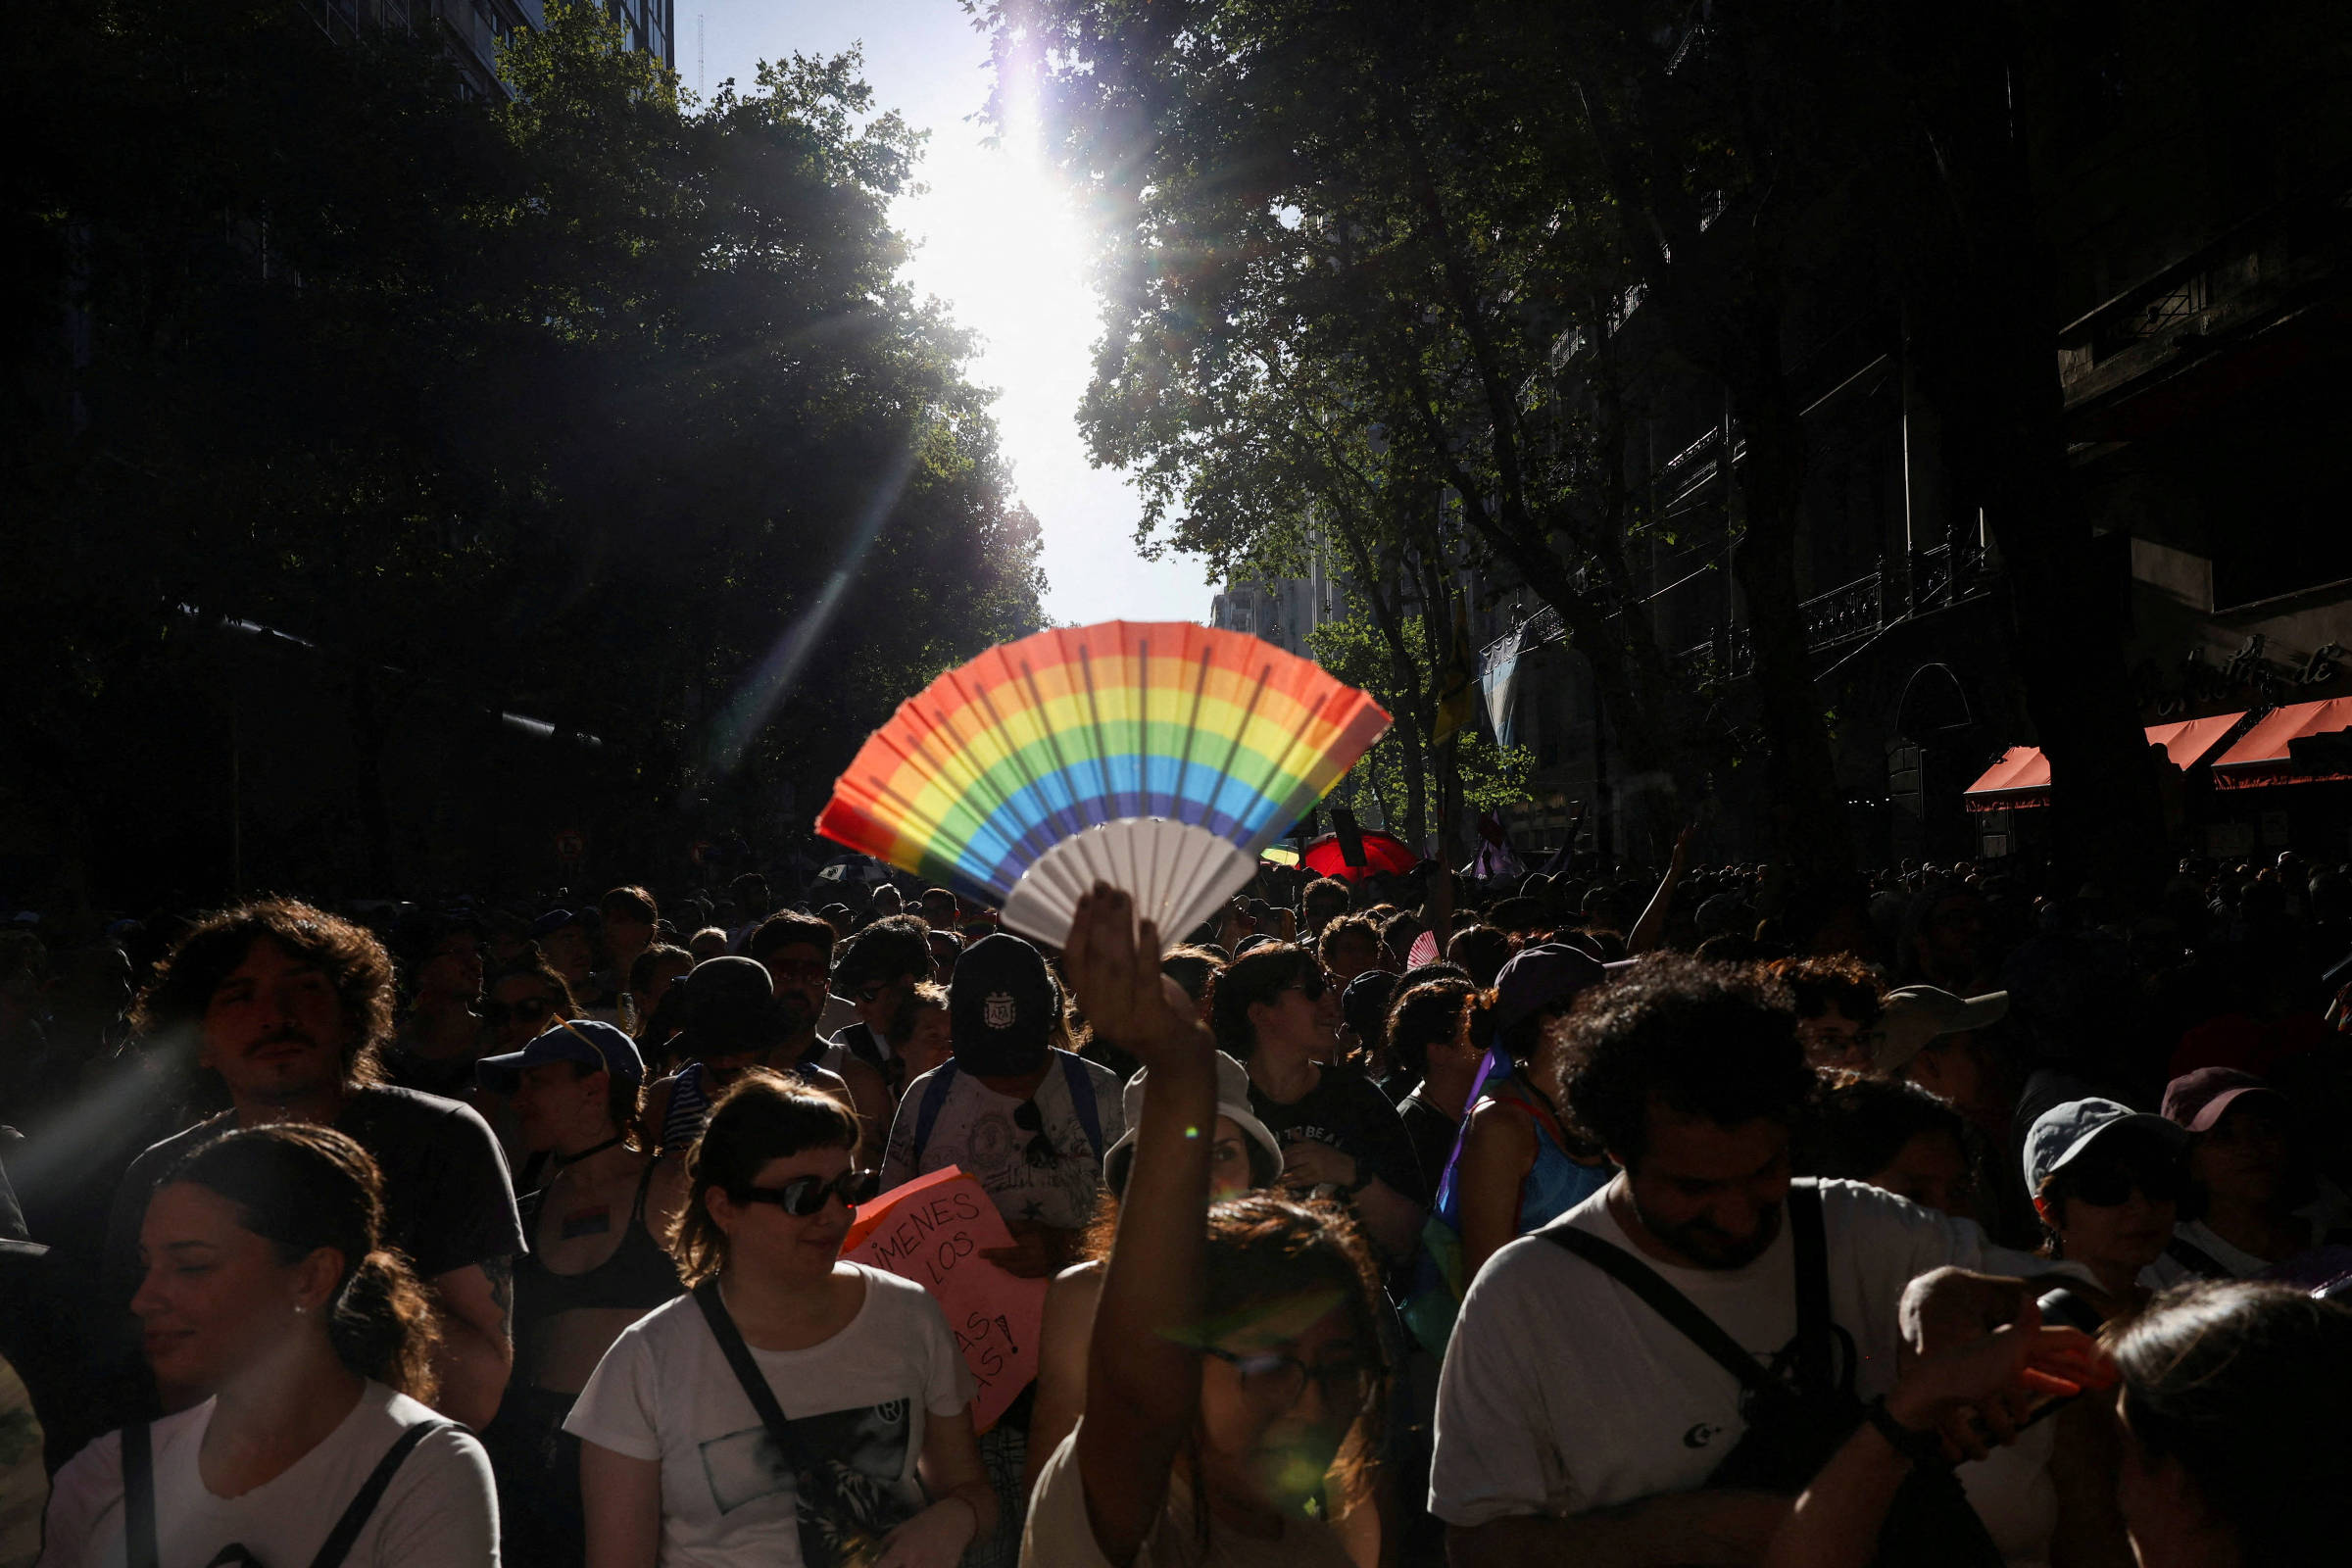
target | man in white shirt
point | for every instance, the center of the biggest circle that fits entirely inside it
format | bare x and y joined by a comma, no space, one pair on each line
1575,1423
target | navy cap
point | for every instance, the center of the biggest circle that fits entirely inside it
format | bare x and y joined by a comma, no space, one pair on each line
589,1042
1548,974
1001,997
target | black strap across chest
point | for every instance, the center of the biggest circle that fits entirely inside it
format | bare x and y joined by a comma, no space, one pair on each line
812,1482
141,1544
1815,1340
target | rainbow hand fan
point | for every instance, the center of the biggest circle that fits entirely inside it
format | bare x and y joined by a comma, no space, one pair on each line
1159,758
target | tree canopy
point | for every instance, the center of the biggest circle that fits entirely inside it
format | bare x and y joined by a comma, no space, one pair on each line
593,404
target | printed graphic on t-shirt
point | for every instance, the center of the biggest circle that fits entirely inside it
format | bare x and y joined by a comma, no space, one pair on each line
1041,1175
863,1448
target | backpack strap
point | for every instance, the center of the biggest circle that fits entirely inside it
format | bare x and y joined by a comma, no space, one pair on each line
139,1544
1082,1100
927,1114
346,1533
1664,1299
2194,1258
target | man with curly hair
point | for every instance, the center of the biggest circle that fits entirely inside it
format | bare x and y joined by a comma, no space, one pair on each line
1575,1421
282,1010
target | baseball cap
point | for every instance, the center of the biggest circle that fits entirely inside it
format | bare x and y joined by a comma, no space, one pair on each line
2198,1100
554,921
1001,998
1232,1100
1909,1016
731,1005
1365,1003
1546,975
590,1042
2062,1133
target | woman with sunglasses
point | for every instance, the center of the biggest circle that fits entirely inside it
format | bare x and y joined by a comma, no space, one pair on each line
794,1409
2107,1183
1276,1010
1236,1353
523,1000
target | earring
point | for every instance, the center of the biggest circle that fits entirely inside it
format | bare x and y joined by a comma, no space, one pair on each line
301,1310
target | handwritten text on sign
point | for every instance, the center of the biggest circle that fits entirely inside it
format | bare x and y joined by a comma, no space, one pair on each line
932,1231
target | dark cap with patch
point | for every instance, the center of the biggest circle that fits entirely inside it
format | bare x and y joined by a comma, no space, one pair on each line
1002,1002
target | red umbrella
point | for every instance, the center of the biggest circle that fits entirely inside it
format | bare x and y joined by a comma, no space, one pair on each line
1383,852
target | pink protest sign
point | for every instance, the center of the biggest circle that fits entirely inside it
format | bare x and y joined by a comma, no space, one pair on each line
932,1231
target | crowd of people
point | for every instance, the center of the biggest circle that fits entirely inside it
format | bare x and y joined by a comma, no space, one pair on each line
1604,1218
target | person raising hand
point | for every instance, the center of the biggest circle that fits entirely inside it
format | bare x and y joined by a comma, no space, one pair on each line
1235,1356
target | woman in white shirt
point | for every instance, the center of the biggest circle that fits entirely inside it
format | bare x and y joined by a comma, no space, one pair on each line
265,1284
793,1410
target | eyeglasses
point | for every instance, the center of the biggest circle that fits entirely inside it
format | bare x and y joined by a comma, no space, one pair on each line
803,969
523,1009
1040,1153
1274,1381
804,1195
1311,985
2105,1183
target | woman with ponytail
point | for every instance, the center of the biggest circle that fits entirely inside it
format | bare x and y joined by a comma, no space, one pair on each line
266,1283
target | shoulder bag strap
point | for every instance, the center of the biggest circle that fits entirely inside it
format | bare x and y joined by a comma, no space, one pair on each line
2194,1258
1082,1100
811,1482
1662,1299
927,1114
346,1533
1814,1330
139,1547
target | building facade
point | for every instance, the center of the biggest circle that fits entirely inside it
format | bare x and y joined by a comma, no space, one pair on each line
470,30
2198,196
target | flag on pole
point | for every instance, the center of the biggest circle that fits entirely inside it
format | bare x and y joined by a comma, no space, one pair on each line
1457,683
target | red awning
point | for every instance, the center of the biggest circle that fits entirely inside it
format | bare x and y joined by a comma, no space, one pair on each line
2187,742
2023,769
2263,752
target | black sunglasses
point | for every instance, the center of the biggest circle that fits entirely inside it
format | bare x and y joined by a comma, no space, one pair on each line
525,1010
2105,1183
804,1195
1311,985
1040,1151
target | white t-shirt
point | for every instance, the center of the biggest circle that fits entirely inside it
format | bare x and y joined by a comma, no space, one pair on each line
975,1130
440,1512
1563,1392
840,1012
2325,1215
1058,1533
665,1392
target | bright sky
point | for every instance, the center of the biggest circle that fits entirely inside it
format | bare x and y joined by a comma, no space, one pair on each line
997,240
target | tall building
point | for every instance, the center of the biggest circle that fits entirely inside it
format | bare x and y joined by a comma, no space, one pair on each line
1282,610
473,30
651,27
